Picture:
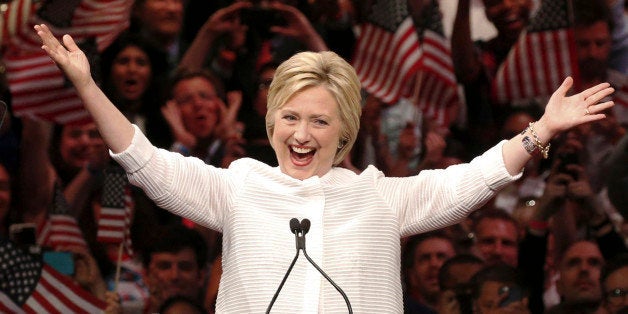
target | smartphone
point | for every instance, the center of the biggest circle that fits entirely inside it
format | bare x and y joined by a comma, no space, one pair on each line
62,262
515,293
24,236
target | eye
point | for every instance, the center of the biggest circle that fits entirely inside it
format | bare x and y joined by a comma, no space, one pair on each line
320,122
289,117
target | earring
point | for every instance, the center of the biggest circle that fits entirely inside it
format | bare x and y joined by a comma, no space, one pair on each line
340,144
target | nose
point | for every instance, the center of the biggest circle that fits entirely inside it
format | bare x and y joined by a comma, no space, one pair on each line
302,132
84,138
173,272
133,66
498,248
435,261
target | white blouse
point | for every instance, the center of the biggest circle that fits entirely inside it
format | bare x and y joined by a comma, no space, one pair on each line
356,223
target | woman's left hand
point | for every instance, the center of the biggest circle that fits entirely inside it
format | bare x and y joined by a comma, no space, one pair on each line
564,112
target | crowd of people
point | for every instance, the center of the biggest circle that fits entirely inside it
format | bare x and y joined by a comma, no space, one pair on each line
206,79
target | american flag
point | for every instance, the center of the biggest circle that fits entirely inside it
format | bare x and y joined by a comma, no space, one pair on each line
60,228
13,16
542,57
387,51
27,285
436,88
37,86
114,221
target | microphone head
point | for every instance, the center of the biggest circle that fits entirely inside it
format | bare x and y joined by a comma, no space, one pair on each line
294,225
305,225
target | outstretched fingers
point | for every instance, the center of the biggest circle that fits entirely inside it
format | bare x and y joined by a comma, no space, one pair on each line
601,91
598,109
50,44
592,91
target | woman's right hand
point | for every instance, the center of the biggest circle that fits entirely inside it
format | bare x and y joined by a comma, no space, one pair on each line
67,56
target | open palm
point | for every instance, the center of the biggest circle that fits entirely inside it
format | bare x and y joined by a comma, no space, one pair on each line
563,112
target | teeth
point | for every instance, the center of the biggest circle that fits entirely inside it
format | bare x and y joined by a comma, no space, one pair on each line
300,150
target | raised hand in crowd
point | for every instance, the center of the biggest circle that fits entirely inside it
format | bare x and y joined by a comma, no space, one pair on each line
298,27
223,21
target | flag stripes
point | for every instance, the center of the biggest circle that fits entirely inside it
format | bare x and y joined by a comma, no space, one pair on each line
436,89
385,60
37,86
542,57
60,230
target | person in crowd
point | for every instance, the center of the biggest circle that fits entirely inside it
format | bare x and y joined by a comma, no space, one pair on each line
614,280
579,280
134,75
499,289
496,236
454,279
237,40
476,64
423,257
67,163
175,265
593,28
161,23
203,126
312,122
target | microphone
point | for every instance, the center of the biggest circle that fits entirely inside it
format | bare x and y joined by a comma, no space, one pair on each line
299,230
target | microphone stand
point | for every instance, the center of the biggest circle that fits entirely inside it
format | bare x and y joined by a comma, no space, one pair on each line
299,230
295,227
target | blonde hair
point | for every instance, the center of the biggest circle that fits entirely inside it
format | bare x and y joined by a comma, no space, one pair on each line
310,69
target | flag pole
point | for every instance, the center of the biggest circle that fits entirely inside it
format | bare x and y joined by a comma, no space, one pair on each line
118,266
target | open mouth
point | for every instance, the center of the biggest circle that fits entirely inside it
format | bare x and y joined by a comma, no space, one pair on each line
301,155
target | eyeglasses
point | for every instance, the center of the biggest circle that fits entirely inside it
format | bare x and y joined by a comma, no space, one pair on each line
616,296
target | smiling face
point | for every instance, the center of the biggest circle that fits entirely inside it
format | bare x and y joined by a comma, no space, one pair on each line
307,133
131,72
508,16
199,104
79,143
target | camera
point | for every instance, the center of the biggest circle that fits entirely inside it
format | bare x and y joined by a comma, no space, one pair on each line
260,18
